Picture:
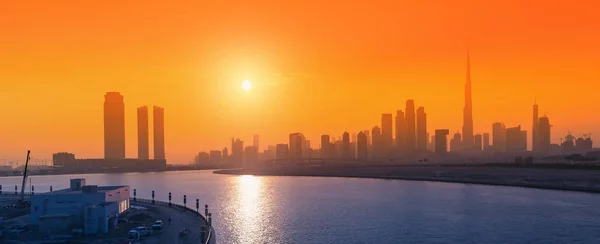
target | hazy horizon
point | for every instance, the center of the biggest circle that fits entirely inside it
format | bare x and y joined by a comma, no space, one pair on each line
337,70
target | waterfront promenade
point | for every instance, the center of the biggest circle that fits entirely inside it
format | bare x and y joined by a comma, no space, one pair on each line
584,180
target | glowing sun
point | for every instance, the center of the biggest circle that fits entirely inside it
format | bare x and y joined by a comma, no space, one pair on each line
246,85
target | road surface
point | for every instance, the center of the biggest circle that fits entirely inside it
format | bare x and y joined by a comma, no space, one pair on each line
179,220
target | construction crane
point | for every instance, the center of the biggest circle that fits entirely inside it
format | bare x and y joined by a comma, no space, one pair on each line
24,179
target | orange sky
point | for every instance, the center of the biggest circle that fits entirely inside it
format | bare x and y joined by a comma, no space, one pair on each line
317,67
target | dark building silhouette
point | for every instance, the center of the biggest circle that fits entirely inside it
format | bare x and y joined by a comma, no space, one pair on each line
441,141
255,142
456,144
362,147
237,152
411,137
250,156
477,142
467,133
400,130
202,158
499,137
159,133
114,126
143,140
486,142
535,140
62,159
584,144
377,142
215,157
346,145
326,147
421,130
386,131
282,151
516,140
297,147
543,134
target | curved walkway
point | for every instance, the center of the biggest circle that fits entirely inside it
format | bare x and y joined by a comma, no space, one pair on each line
180,218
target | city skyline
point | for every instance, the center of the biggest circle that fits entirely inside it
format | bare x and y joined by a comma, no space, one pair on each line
345,80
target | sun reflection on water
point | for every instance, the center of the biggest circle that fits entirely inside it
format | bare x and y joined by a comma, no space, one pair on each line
249,210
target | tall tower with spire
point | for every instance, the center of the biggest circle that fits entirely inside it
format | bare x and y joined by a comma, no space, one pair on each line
468,111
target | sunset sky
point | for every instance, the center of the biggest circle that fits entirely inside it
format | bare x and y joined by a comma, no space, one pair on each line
317,67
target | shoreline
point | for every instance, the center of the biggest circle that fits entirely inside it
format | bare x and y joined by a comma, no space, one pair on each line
444,179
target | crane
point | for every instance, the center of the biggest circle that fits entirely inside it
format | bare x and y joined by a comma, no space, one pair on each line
24,178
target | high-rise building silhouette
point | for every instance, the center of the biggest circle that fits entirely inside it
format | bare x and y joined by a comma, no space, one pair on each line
215,157
386,131
143,140
477,142
467,133
516,140
441,141
326,146
159,132
376,148
421,130
411,137
544,141
114,126
400,130
486,141
346,145
499,137
237,152
297,143
255,142
250,156
456,144
362,146
535,129
282,151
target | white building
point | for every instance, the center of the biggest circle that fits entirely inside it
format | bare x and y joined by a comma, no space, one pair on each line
90,207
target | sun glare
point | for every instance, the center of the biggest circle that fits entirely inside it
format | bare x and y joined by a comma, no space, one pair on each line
246,85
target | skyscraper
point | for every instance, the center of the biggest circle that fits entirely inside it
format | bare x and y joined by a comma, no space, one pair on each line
486,141
114,126
237,152
516,140
534,130
362,146
386,131
411,137
326,151
400,130
346,145
421,130
376,137
477,142
544,135
441,141
159,133
467,134
143,141
499,137
297,145
255,142
456,143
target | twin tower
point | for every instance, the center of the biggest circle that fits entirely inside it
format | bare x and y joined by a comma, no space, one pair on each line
114,129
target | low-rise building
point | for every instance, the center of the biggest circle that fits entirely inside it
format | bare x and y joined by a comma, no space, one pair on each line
90,207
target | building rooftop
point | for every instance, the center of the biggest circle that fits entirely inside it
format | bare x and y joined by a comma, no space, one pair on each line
71,191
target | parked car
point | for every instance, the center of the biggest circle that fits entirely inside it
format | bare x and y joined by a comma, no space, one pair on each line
156,226
134,235
143,230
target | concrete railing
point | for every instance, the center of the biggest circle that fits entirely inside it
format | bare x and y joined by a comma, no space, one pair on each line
207,234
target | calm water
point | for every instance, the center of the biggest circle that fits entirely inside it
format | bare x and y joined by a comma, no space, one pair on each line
250,209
